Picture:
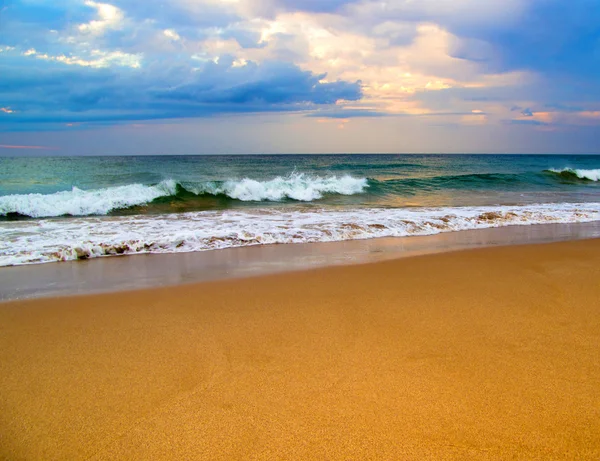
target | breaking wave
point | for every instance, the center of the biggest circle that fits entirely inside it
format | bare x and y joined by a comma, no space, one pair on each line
296,186
299,187
47,240
573,173
77,202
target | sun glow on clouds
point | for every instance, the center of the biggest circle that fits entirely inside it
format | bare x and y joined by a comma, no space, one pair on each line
390,74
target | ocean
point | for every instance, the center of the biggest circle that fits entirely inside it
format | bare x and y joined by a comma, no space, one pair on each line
59,208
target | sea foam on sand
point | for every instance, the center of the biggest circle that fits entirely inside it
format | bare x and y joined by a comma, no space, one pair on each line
47,240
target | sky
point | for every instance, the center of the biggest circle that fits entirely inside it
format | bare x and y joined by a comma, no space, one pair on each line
81,77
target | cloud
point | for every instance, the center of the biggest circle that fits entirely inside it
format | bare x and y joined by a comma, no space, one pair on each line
527,112
114,60
315,6
108,17
97,58
181,14
528,122
40,13
269,83
550,36
346,113
125,60
60,94
245,38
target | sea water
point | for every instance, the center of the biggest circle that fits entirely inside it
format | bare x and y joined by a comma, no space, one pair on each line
58,208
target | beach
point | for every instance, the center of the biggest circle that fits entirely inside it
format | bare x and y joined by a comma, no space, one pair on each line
478,354
299,230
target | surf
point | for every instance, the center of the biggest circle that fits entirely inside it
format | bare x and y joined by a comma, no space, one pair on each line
299,187
576,173
50,240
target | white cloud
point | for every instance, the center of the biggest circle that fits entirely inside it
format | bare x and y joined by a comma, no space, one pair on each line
171,34
97,58
109,17
239,63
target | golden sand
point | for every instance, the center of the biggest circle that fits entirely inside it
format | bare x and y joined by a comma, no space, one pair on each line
482,354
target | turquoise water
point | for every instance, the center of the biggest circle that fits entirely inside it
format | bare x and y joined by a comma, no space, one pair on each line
391,180
66,208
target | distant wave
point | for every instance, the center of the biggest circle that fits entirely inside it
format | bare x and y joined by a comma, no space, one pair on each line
27,242
573,173
472,179
483,180
377,166
77,202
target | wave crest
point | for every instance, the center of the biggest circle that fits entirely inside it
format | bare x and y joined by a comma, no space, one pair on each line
296,186
77,202
573,173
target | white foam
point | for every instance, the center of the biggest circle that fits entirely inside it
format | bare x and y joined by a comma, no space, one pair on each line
46,240
592,175
296,186
77,202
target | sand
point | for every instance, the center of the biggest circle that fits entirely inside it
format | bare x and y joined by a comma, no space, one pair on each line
480,354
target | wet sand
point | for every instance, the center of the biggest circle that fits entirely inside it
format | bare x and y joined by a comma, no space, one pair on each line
132,272
481,354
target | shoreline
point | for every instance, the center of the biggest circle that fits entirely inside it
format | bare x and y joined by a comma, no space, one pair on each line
482,354
134,272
